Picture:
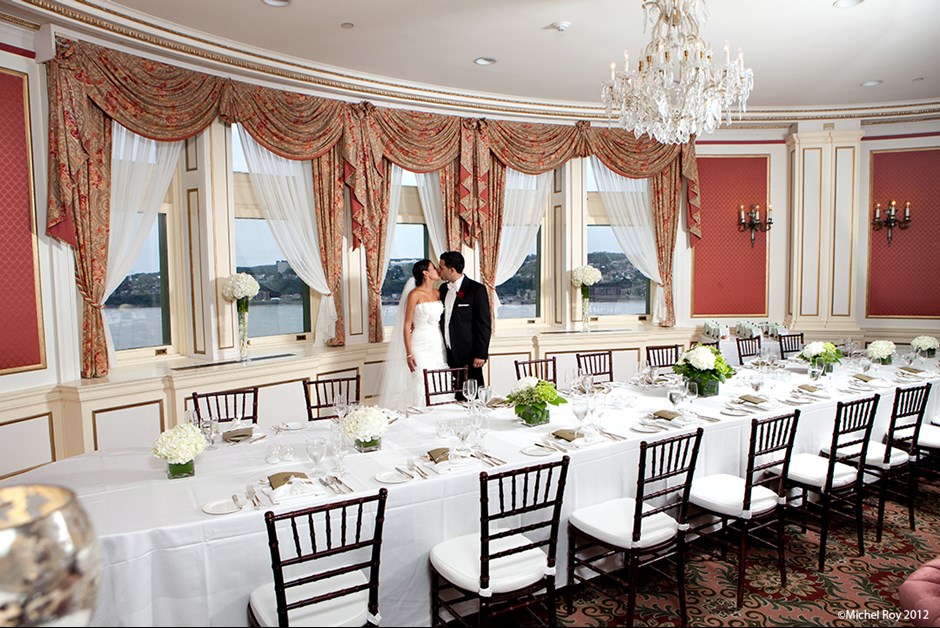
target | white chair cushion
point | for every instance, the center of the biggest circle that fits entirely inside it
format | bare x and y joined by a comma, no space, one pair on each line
875,455
811,469
724,494
349,610
612,522
929,436
458,560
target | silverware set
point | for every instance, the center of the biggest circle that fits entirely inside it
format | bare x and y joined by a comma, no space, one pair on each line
252,496
336,485
492,461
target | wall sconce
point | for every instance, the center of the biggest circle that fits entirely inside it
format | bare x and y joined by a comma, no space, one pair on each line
751,221
890,220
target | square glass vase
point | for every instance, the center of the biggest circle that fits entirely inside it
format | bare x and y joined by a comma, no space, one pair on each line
365,446
180,470
532,416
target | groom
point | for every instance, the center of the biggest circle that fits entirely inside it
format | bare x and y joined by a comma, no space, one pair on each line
466,320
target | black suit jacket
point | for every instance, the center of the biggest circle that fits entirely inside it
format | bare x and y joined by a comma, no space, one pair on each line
470,323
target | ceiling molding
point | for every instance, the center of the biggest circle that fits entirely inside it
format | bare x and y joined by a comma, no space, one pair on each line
218,56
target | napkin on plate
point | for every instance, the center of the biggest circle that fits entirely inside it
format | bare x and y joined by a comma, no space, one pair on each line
669,415
808,388
498,402
909,369
752,399
237,436
438,455
863,377
291,485
567,435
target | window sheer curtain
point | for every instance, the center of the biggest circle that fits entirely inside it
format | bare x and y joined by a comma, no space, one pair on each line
141,171
394,203
432,204
284,188
525,199
629,206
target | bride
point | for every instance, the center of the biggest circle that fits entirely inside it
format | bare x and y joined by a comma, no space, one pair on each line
416,341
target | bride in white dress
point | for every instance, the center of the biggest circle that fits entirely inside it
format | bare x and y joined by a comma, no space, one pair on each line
416,342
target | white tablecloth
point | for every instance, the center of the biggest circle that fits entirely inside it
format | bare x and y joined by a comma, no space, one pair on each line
168,563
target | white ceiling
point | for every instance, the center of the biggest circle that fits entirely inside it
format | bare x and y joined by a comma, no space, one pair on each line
804,53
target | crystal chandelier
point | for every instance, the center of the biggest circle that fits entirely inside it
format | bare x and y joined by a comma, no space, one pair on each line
676,91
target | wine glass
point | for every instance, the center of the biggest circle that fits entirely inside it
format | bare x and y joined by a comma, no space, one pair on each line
485,394
586,379
463,427
865,364
757,381
470,390
481,426
579,406
815,370
339,443
316,450
340,405
675,395
691,391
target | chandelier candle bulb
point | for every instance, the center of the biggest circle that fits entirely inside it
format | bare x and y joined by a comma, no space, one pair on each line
877,211
907,211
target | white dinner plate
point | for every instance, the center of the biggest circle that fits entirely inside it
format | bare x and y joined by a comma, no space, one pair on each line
535,450
734,412
390,477
220,507
295,426
645,429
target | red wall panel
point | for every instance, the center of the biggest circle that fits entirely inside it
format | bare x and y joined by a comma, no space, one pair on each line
729,278
903,277
21,335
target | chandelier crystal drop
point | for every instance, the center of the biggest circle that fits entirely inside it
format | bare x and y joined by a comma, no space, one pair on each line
676,91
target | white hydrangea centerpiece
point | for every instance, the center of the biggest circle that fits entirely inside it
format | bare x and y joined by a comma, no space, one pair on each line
705,366
925,344
881,350
585,276
180,444
825,352
241,288
365,426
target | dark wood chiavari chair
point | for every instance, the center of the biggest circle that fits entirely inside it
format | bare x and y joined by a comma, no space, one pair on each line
339,593
638,528
747,348
836,475
790,344
512,559
544,368
663,355
755,502
443,385
321,395
227,405
600,364
705,344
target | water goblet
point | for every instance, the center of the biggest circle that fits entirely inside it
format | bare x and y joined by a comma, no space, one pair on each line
691,391
445,429
579,406
213,431
485,394
757,382
865,364
470,390
339,443
675,395
480,426
586,381
340,405
463,427
316,450
815,371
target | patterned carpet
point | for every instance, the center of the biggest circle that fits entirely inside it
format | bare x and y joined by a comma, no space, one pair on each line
853,591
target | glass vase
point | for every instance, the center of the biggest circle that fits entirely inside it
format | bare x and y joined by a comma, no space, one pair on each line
585,308
532,415
180,470
708,387
242,305
366,446
886,360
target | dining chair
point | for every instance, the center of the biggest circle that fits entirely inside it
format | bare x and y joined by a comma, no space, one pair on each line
753,503
705,344
227,405
663,355
325,561
638,528
747,348
600,364
836,474
544,368
443,385
893,461
321,395
790,344
505,565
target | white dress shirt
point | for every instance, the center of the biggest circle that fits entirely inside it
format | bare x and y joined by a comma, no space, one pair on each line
453,288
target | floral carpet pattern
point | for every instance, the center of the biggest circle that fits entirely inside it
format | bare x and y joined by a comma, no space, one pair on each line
853,590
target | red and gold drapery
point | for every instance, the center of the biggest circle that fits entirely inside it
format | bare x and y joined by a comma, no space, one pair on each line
356,143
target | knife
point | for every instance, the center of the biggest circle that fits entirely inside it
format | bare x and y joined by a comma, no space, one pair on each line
236,501
405,473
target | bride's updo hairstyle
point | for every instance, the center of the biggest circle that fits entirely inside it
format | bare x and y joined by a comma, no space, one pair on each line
417,271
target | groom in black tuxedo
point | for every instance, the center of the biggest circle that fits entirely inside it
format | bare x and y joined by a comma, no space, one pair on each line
466,319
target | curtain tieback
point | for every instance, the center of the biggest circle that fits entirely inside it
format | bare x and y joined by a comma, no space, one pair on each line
90,302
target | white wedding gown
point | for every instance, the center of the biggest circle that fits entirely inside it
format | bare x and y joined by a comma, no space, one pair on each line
401,388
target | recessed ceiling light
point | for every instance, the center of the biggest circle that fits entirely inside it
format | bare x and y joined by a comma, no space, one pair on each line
347,25
484,61
561,26
870,83
846,4
277,3
918,79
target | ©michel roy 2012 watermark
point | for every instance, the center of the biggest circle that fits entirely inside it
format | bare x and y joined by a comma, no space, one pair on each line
884,615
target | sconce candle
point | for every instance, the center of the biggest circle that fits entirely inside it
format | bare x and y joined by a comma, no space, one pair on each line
753,223
891,220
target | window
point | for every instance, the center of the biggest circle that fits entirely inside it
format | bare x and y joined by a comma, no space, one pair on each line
138,312
623,290
410,245
519,296
282,305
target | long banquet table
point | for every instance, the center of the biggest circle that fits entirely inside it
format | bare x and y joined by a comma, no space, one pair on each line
168,563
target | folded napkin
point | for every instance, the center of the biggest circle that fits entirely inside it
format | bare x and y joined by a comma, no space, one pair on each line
669,415
752,399
236,436
863,377
498,402
568,435
808,388
909,369
438,455
279,479
296,485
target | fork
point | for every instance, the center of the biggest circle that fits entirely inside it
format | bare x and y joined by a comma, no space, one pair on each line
413,467
252,496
